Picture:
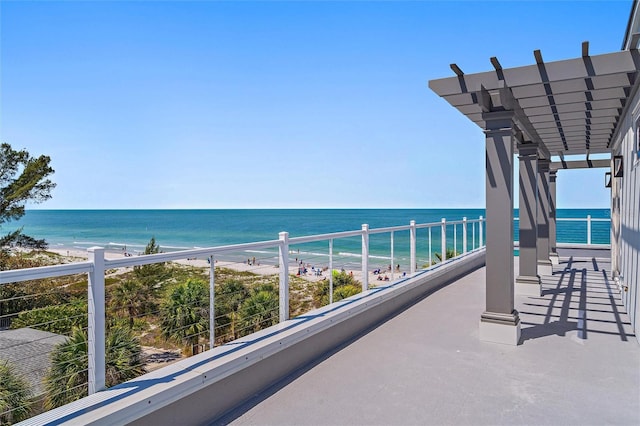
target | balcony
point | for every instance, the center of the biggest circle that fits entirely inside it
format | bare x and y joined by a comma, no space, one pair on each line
370,359
577,362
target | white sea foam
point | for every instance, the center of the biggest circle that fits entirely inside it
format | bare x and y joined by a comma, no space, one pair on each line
172,247
347,254
307,253
380,257
87,243
126,244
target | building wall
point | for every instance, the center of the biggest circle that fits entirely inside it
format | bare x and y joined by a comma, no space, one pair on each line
626,199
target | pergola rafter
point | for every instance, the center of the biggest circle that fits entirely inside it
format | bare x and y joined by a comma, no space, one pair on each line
570,106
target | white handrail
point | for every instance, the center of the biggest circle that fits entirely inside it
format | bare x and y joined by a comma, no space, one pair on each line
19,275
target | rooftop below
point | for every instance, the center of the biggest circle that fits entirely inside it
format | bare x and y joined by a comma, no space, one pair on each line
577,362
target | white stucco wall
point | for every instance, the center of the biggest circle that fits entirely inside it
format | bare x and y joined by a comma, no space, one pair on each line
627,246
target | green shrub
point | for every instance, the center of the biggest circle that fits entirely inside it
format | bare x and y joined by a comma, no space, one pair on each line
14,395
59,319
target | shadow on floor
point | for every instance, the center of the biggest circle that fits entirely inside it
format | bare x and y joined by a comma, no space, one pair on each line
578,298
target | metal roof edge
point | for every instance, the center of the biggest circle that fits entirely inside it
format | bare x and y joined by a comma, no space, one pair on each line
614,138
632,17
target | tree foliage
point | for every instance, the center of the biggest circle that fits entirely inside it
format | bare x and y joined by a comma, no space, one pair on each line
184,313
132,299
451,253
260,310
151,275
345,291
67,380
124,359
344,285
14,395
229,297
22,178
24,296
59,319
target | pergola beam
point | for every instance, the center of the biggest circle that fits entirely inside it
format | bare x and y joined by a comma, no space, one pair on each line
580,164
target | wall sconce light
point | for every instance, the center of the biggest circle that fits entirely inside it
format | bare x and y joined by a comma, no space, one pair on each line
607,180
618,169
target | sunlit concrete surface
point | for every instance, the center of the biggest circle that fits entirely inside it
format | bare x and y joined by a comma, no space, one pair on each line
578,362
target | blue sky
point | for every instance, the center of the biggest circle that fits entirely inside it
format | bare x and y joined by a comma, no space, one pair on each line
272,104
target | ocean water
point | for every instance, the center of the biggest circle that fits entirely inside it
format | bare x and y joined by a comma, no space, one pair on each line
184,229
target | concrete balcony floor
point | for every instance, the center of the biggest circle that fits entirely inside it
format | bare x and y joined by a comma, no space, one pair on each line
578,363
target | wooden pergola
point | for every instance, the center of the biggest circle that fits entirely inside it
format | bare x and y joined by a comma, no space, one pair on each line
568,107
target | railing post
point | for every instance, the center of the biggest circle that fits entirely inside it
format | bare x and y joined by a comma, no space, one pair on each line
212,304
464,235
455,239
331,271
392,257
96,321
473,235
588,229
480,243
365,257
430,260
284,276
443,239
412,247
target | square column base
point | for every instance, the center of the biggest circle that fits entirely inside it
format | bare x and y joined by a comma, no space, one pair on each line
500,328
500,333
554,258
528,286
545,267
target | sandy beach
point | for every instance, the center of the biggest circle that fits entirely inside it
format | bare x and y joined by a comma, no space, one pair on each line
257,268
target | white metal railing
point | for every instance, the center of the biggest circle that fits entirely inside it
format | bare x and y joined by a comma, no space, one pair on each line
97,266
589,220
589,225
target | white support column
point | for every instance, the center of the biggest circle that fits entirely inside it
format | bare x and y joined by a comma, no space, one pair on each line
480,232
443,238
500,322
412,242
212,302
284,276
464,235
588,229
96,323
365,257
